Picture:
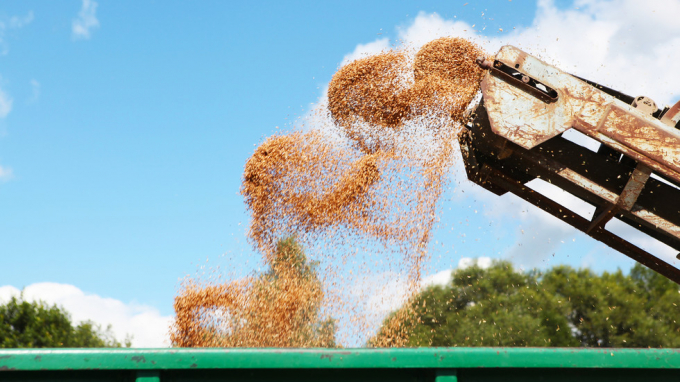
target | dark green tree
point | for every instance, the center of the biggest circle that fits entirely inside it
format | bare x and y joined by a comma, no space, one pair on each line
501,306
26,324
304,322
615,310
281,307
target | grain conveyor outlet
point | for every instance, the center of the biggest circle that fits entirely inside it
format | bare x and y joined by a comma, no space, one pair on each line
631,172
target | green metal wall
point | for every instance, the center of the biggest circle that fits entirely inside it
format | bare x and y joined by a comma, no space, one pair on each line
351,365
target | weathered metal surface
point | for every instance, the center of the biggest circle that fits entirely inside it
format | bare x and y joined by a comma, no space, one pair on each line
515,137
645,105
659,222
634,187
582,224
672,116
607,195
526,120
595,178
627,200
654,141
522,81
421,358
631,153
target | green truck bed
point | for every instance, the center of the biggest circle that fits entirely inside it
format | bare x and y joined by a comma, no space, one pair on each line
353,365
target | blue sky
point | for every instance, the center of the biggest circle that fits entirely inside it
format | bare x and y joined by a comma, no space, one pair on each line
126,126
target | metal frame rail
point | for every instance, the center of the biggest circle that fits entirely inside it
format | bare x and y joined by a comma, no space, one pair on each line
395,365
500,166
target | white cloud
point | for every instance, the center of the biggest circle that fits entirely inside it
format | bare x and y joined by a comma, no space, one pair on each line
629,45
86,21
427,27
20,22
440,278
443,278
482,262
364,50
387,291
6,173
147,326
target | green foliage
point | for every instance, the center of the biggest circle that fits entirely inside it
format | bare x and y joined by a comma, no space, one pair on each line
501,306
291,273
26,324
290,255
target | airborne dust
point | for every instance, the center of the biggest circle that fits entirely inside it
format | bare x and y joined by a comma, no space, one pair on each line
341,203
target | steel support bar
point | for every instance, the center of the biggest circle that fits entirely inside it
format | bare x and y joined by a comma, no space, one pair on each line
582,224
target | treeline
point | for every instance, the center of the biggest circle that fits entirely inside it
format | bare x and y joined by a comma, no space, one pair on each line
496,306
502,306
25,324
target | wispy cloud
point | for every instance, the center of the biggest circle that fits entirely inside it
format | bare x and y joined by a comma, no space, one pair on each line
86,21
35,87
19,22
5,173
5,104
15,22
147,326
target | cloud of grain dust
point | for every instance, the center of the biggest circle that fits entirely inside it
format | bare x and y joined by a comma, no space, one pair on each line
359,192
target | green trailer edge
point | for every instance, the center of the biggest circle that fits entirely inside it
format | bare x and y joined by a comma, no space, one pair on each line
229,358
423,364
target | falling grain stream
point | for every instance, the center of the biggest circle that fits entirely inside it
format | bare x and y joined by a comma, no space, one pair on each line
373,175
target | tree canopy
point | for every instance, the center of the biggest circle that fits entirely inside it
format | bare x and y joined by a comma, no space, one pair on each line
281,307
25,324
286,309
501,306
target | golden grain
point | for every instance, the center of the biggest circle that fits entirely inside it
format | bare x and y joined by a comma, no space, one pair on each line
399,118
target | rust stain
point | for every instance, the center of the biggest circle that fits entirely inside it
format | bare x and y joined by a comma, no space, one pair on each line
671,117
634,186
643,137
521,57
585,95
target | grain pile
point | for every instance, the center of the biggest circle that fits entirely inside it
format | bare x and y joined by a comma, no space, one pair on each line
277,309
360,191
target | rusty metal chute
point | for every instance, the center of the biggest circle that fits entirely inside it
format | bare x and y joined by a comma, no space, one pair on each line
516,134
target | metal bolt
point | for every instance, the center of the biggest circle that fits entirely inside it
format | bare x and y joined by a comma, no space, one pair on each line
483,62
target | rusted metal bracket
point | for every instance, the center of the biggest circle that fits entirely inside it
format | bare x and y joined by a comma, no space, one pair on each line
610,184
626,200
672,116
582,224
634,187
602,216
521,80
